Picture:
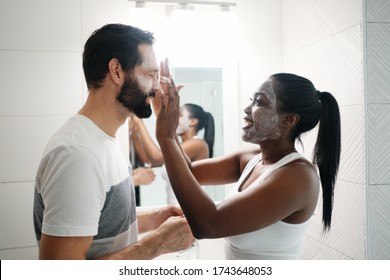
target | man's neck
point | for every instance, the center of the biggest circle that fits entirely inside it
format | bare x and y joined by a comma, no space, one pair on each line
106,113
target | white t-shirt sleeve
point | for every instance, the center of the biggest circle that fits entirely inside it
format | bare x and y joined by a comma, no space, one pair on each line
73,191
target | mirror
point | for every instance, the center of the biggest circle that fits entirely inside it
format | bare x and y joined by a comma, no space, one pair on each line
202,86
206,63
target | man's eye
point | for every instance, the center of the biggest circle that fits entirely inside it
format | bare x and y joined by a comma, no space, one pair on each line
255,101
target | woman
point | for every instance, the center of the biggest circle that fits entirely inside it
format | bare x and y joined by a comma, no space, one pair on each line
192,120
277,188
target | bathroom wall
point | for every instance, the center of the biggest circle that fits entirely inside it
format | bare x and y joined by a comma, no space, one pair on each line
41,86
377,79
322,40
259,47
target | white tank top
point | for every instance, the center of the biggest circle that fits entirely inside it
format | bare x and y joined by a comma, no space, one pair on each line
277,241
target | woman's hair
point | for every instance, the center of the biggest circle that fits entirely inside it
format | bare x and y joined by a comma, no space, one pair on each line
206,121
112,41
298,95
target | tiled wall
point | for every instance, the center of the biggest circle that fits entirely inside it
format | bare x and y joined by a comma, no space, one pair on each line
377,24
41,86
322,40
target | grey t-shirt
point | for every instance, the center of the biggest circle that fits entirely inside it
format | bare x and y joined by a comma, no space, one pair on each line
83,188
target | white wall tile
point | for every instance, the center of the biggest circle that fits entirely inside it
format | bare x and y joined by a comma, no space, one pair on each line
40,83
96,13
315,250
40,25
16,204
309,21
348,216
348,67
22,143
378,143
378,63
348,228
379,222
269,23
25,253
378,10
333,64
352,144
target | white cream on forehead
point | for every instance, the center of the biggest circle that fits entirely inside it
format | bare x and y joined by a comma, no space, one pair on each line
149,65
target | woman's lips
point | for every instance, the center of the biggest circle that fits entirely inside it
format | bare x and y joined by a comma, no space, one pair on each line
247,123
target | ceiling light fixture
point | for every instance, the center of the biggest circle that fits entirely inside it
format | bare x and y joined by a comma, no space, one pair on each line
224,5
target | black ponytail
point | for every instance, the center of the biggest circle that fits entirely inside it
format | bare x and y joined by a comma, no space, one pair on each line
206,121
209,133
298,95
326,154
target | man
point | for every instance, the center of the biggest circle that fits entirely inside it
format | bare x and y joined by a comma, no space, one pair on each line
84,204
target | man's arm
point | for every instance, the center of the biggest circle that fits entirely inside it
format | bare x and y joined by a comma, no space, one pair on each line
173,235
151,220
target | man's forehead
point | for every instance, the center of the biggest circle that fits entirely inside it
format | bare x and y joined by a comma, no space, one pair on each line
149,60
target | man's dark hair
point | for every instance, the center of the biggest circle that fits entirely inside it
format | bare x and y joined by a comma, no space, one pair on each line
112,41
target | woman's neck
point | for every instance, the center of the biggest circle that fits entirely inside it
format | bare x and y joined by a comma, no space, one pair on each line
270,155
188,135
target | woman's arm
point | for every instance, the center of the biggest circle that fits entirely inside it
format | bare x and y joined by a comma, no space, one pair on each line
283,193
146,143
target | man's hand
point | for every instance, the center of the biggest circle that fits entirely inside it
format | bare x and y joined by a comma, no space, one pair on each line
143,176
161,215
175,235
151,220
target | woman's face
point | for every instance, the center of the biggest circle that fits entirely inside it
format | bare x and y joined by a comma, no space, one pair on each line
184,121
261,116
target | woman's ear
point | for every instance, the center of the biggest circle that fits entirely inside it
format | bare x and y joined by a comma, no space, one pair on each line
290,119
193,122
115,70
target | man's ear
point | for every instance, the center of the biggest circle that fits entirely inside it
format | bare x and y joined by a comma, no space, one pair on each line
290,119
115,71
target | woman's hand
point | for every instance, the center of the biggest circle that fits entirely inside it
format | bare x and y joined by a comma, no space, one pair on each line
169,103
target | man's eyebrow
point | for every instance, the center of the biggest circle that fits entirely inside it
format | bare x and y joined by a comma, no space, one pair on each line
259,93
153,69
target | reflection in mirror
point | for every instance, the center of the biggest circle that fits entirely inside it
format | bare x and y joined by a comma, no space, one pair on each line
202,48
202,86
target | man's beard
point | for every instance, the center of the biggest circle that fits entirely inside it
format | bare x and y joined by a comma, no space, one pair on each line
133,98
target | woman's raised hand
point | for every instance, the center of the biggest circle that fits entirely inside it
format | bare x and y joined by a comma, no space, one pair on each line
168,102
